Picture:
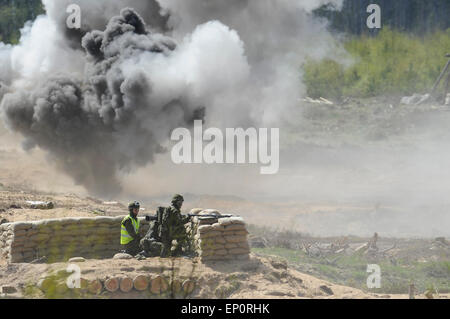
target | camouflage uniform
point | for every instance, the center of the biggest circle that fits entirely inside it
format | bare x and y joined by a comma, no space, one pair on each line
132,248
169,226
150,244
172,228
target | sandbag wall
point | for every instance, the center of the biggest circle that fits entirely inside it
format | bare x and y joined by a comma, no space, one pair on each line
61,239
220,238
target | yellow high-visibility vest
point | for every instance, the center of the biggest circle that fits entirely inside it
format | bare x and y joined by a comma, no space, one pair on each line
125,237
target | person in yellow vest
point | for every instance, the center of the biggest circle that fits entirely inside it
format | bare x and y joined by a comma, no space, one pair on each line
129,231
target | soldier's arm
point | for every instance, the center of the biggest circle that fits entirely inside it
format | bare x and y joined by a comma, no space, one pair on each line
130,229
185,219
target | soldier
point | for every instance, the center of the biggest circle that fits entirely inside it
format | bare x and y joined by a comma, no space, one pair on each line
150,246
129,230
171,227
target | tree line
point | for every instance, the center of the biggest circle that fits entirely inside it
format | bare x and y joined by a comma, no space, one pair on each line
14,14
415,16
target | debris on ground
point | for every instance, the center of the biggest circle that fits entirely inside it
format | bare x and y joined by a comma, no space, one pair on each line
110,203
327,290
258,242
9,290
441,240
415,99
321,100
122,256
39,205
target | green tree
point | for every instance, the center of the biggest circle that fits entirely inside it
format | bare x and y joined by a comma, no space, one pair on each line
14,14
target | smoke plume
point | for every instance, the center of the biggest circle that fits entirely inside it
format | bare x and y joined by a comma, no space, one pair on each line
104,99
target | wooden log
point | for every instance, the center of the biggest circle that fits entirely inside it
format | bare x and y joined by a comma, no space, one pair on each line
126,284
95,287
140,283
61,290
45,284
112,284
158,285
188,286
84,284
175,286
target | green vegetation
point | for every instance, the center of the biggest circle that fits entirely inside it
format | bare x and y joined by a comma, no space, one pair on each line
416,16
391,63
351,270
14,14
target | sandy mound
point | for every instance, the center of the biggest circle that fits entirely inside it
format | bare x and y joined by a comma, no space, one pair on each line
257,278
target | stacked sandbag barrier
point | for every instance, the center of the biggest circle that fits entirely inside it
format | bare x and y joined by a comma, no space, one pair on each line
61,239
217,238
213,238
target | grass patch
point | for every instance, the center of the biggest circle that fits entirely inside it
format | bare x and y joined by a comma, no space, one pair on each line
351,270
389,64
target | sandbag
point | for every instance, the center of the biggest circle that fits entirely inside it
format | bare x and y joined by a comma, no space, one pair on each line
234,227
20,226
205,229
220,240
231,220
31,232
230,245
15,258
241,233
220,252
206,243
29,244
71,221
40,238
218,227
19,239
211,234
195,211
239,251
235,239
243,245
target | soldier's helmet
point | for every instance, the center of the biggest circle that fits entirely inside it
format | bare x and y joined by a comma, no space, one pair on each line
177,197
133,205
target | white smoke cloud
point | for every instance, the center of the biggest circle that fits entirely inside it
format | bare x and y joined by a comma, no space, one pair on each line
43,51
130,85
5,62
277,36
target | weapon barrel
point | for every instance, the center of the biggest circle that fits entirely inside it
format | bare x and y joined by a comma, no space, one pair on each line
210,216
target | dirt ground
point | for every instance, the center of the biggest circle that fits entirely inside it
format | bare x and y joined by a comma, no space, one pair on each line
260,277
257,278
31,177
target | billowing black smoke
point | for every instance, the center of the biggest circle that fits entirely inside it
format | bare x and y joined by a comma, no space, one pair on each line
103,103
108,122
